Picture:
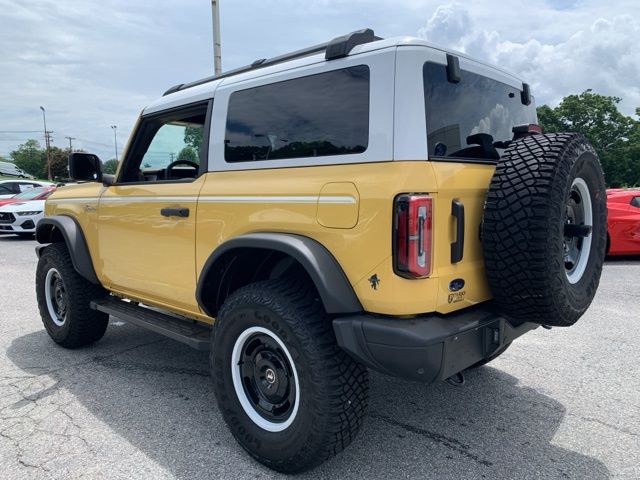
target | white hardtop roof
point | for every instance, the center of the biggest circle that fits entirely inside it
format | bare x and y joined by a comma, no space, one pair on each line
206,90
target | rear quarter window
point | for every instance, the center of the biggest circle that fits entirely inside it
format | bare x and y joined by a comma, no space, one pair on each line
475,105
635,201
313,116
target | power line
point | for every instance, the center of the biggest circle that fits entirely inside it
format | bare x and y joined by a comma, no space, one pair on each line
20,131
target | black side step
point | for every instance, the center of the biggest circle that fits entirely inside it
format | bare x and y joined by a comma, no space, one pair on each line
184,330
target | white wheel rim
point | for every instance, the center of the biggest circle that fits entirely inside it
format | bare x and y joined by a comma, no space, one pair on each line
50,296
236,376
575,273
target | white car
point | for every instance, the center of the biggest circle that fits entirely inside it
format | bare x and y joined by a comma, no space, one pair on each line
21,218
9,188
8,168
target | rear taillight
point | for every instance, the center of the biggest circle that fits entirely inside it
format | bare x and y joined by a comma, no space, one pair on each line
412,219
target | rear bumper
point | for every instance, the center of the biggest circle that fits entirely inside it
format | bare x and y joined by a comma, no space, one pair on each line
427,348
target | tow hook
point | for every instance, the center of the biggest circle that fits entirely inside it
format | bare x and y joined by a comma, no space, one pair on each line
456,380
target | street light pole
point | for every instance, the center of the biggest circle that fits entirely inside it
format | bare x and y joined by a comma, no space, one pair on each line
115,139
46,142
215,17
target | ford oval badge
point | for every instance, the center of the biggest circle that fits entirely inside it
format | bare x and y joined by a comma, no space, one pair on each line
456,285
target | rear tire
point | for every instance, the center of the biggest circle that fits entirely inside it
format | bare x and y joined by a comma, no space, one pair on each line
541,264
290,396
63,300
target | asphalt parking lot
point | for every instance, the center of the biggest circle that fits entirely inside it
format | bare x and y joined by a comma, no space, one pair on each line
563,403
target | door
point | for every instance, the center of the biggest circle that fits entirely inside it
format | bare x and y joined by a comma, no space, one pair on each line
468,122
146,221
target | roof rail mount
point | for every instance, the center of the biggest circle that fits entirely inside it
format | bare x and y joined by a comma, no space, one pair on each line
339,47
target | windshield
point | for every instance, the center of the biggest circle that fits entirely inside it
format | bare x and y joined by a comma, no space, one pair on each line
30,194
472,118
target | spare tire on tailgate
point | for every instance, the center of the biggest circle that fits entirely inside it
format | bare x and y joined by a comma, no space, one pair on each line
544,229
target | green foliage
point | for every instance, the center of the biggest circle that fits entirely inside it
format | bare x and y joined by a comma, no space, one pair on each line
615,136
59,162
110,166
30,158
193,137
188,154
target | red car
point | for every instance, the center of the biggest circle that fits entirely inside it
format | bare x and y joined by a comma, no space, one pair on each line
623,221
39,193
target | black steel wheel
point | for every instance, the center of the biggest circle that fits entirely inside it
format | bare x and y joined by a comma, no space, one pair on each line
290,396
63,300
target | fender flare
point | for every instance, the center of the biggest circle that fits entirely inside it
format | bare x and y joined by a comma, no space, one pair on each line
332,284
74,239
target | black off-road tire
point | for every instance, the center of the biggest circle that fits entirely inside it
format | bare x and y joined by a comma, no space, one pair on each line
523,230
333,387
82,325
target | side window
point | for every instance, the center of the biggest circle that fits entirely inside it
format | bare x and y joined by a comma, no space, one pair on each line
313,116
168,147
635,201
5,189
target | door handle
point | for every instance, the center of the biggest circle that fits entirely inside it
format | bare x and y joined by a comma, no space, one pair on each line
175,212
457,247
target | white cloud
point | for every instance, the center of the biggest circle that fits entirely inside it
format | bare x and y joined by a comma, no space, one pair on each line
94,63
602,55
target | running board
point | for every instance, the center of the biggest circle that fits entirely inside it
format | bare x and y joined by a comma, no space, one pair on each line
184,330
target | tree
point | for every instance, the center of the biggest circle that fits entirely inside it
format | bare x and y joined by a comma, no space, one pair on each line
30,158
188,154
614,136
110,166
59,162
193,137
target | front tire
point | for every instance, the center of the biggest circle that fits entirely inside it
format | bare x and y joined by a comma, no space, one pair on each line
290,396
64,298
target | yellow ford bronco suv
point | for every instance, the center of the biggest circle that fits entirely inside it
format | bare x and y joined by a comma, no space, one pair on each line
364,203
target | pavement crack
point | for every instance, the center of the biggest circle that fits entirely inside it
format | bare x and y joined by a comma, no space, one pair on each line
451,443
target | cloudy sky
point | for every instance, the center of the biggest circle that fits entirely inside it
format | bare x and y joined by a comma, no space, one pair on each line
93,64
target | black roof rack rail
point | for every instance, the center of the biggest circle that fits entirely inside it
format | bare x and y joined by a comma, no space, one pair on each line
337,48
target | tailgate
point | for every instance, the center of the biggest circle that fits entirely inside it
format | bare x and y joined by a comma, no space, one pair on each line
461,282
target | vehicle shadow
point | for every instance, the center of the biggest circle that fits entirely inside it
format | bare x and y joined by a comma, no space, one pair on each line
622,260
156,395
12,237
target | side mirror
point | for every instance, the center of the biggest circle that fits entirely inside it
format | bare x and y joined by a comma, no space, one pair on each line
85,167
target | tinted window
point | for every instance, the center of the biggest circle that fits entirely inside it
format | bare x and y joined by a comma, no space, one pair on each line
475,105
314,116
11,187
635,201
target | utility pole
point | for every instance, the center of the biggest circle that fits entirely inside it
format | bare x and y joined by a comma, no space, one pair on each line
115,139
215,17
70,145
47,141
